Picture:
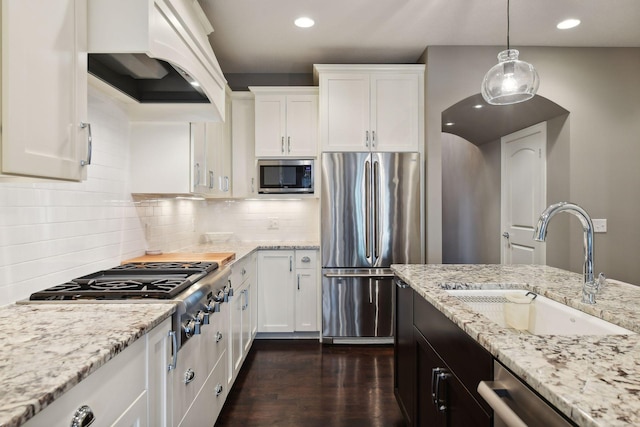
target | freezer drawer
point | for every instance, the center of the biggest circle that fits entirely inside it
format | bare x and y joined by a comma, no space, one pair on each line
357,304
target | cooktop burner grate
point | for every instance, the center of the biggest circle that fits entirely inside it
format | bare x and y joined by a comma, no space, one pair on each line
162,280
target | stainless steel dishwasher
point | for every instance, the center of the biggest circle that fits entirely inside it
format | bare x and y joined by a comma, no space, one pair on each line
515,405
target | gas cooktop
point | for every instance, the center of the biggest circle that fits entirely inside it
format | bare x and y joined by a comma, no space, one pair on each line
151,280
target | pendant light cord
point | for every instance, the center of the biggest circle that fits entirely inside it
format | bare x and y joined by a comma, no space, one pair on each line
508,45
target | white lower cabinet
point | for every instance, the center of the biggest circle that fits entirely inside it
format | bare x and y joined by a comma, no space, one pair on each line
159,356
306,294
288,288
243,314
116,394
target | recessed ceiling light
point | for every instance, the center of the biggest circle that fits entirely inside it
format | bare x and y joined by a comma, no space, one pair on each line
478,106
568,23
449,124
304,22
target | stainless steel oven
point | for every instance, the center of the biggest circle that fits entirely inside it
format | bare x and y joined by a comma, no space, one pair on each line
285,176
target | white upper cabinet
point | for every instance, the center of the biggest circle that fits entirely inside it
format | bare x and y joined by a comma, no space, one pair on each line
371,107
44,89
286,121
243,151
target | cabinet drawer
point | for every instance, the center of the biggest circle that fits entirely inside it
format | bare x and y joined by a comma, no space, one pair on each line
467,359
109,391
208,403
306,258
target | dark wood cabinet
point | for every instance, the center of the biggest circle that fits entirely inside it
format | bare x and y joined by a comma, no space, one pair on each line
437,367
441,399
404,355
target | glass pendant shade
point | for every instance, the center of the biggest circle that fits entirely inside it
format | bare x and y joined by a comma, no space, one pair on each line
510,81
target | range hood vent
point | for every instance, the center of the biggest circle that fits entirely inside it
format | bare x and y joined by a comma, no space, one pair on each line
145,79
156,52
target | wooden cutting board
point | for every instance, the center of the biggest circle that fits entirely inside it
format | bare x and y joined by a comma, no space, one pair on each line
222,258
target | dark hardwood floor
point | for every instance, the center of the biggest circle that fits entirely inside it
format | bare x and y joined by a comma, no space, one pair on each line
304,383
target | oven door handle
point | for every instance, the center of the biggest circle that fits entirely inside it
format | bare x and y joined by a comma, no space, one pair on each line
174,345
489,392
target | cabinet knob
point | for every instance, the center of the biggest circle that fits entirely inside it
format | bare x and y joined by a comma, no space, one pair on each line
83,417
219,390
305,259
189,376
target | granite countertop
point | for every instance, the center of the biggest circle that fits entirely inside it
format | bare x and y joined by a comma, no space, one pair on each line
594,380
48,348
243,249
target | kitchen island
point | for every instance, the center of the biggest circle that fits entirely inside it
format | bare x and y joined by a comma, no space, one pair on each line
47,349
593,380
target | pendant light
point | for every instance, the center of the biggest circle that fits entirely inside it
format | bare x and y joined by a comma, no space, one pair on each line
511,80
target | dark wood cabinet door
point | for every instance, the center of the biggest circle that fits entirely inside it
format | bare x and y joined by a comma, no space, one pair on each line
427,413
404,354
441,399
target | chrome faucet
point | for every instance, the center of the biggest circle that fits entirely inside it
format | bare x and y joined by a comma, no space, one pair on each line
590,286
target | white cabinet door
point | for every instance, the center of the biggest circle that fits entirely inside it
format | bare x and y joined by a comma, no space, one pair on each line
371,108
218,136
44,89
243,136
302,126
270,125
160,158
235,331
395,112
246,317
159,353
344,112
276,278
306,298
286,121
198,151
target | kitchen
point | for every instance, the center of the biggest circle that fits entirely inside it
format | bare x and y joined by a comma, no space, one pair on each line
53,232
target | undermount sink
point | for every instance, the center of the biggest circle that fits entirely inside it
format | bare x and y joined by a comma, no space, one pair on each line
534,314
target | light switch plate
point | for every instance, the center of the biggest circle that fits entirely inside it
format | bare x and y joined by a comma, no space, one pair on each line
599,225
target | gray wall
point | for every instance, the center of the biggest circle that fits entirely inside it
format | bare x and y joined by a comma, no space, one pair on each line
470,202
596,166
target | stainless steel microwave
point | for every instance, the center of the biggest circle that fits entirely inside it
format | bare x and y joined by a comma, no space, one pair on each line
285,176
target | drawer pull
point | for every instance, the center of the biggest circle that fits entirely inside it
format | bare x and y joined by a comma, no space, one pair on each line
305,259
83,417
219,390
189,376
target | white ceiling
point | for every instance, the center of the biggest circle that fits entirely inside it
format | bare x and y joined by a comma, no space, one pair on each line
258,36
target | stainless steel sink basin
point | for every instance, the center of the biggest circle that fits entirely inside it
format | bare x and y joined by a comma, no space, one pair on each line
534,314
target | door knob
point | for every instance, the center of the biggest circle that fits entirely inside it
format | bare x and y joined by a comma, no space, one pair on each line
505,235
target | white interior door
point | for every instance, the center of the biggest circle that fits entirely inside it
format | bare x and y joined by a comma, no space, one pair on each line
523,194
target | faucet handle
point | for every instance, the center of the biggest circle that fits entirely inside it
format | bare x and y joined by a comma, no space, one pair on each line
602,281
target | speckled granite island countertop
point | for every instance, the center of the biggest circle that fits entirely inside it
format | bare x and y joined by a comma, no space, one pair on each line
594,380
48,348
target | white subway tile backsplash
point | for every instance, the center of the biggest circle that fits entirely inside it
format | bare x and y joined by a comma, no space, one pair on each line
51,232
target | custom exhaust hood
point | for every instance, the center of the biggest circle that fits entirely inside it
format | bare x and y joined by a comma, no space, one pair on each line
156,52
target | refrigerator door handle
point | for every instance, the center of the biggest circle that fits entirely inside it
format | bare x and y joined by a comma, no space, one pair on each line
367,204
376,208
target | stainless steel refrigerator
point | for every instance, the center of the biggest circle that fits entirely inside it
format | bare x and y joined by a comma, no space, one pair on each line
370,219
